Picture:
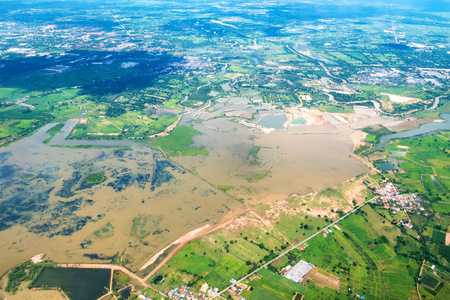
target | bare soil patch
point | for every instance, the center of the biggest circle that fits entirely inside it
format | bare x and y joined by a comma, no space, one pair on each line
321,280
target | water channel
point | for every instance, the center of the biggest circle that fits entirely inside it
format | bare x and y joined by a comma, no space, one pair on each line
424,129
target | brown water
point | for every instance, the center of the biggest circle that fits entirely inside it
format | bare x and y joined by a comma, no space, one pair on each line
293,163
54,216
64,230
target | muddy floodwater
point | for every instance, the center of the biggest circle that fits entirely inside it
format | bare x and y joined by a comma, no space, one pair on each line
266,167
143,201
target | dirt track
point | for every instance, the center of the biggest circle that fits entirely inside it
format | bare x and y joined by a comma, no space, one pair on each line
182,241
114,268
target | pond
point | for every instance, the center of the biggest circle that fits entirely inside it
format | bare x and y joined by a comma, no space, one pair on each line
273,121
298,121
384,166
78,284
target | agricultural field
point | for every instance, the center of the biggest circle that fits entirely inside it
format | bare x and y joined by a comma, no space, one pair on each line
184,87
424,168
217,258
362,256
268,285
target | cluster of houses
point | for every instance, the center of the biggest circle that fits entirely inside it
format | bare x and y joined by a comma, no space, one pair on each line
185,292
389,75
394,201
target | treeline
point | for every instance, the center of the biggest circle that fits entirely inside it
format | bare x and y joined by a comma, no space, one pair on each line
28,271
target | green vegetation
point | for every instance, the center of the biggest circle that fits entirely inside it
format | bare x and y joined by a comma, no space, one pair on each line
435,113
144,225
253,155
178,142
219,257
335,109
272,286
27,271
374,132
424,168
355,255
95,178
53,131
105,231
258,176
85,146
120,280
361,149
217,66
17,122
225,188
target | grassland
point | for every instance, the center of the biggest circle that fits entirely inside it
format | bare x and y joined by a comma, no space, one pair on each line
26,272
17,122
225,188
374,132
233,252
178,142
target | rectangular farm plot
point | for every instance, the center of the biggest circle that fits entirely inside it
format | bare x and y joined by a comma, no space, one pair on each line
323,279
268,285
227,269
429,280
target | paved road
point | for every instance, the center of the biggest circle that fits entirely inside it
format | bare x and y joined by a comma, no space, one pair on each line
293,247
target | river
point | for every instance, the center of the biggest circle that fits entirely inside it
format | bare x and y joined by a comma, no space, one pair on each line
424,129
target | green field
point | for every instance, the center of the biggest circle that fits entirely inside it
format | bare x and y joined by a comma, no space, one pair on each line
218,258
178,142
425,167
353,253
273,286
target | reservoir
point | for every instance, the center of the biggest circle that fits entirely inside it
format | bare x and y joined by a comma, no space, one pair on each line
78,284
273,121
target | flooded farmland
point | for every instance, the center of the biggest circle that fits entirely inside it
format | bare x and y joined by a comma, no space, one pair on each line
265,167
123,199
143,202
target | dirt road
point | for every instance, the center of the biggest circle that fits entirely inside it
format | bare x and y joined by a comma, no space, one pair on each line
113,268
